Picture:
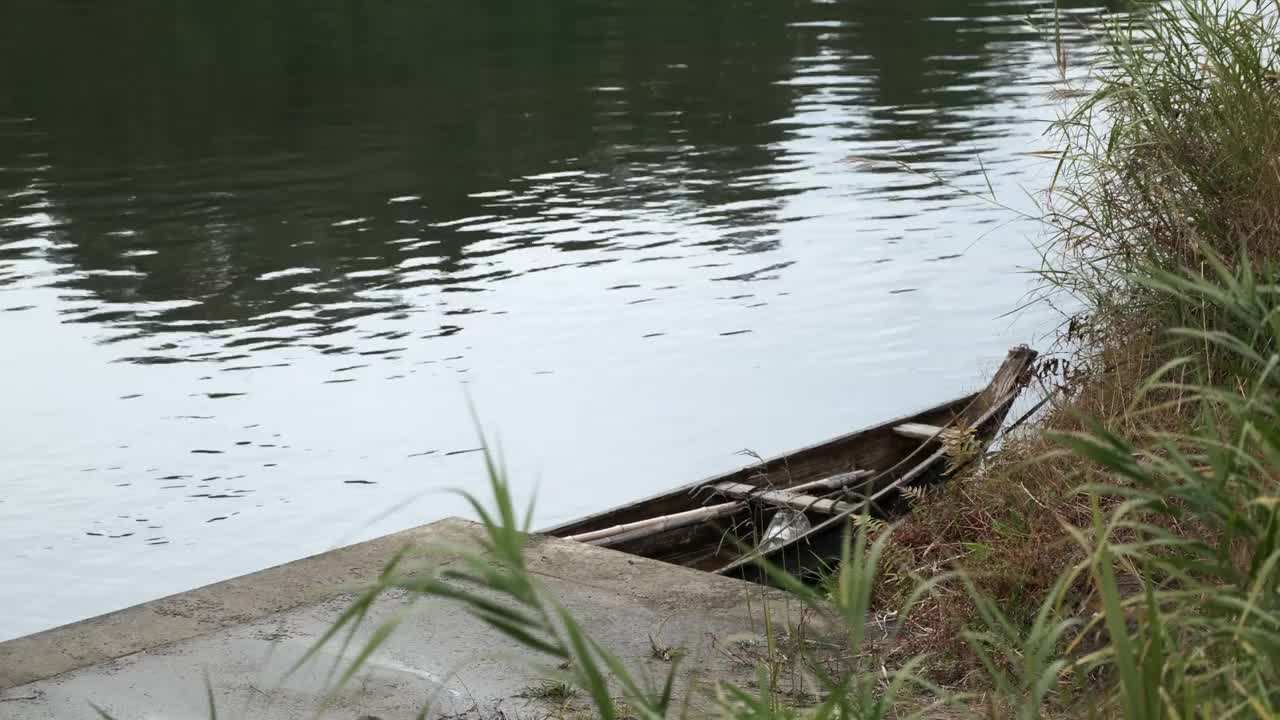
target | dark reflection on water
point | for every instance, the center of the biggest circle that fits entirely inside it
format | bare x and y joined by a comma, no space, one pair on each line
262,166
241,199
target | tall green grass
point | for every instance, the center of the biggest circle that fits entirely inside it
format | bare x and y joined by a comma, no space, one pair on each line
1198,509
1172,157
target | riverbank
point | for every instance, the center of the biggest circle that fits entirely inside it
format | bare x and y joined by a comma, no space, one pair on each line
244,634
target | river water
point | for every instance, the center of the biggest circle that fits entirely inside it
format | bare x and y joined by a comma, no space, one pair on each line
258,260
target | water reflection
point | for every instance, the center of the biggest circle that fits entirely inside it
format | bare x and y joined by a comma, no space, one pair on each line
271,175
260,242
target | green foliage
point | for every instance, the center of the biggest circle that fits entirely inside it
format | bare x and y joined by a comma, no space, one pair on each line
1205,629
493,584
1172,155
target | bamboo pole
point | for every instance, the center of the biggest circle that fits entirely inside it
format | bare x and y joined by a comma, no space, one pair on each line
660,524
835,482
786,498
652,526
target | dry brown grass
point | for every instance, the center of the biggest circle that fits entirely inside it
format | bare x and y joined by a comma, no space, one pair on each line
1004,526
1006,523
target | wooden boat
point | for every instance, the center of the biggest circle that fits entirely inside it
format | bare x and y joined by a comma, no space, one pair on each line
716,524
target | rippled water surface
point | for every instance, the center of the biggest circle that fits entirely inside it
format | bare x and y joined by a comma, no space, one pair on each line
256,257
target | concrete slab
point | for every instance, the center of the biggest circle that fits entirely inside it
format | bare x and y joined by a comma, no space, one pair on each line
151,661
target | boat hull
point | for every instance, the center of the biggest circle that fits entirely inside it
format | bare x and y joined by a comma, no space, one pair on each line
724,543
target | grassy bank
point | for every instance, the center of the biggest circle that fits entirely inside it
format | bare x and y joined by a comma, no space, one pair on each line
1142,511
1123,558
1161,455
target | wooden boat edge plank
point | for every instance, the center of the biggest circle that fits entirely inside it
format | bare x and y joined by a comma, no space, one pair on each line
692,487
